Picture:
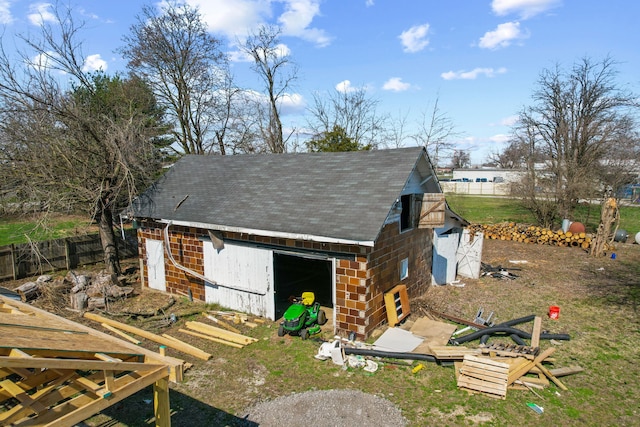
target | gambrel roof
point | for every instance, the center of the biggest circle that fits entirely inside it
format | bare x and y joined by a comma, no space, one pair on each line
344,196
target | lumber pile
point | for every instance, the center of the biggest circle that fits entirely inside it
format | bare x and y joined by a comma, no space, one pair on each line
494,374
216,334
533,234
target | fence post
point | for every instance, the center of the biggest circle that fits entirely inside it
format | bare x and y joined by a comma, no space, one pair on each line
14,268
67,255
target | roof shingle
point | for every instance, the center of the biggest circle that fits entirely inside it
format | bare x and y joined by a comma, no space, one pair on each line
344,195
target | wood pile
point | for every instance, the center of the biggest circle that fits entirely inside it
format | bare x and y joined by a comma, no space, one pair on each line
533,234
494,374
89,292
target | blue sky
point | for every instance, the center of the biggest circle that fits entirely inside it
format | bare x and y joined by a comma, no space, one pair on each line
479,58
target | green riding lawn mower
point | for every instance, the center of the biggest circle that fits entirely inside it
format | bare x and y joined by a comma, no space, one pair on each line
303,317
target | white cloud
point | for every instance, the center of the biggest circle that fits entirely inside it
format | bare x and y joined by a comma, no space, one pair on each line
292,103
499,138
502,36
94,63
296,19
525,8
233,18
509,121
396,84
5,12
415,38
242,56
41,13
369,3
473,74
345,86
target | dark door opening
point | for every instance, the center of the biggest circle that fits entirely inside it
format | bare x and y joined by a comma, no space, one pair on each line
294,275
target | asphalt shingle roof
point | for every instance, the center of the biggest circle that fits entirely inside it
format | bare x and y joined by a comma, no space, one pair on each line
337,195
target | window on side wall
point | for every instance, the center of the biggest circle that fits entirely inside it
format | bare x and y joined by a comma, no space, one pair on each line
404,268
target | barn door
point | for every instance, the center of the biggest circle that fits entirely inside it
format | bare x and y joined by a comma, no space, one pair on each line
443,268
155,265
470,254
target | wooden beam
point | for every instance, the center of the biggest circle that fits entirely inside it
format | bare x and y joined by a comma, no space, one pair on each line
121,334
161,406
82,364
535,335
551,377
146,334
220,333
210,338
187,348
175,364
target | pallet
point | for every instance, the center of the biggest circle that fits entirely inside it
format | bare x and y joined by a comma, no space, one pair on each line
478,374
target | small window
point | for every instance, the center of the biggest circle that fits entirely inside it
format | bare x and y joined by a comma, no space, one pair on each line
407,215
404,268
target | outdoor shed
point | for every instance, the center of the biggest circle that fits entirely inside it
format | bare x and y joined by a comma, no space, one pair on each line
249,231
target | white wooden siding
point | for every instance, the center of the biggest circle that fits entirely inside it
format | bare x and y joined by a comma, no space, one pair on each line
243,277
155,264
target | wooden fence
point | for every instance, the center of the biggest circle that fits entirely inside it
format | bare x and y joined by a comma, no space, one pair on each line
30,259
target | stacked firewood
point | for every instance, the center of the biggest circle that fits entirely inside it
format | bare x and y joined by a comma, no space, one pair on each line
90,292
533,234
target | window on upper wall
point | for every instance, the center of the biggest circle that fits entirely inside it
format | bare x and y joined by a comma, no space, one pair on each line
406,216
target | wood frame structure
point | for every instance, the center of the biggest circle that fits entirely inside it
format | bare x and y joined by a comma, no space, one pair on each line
54,371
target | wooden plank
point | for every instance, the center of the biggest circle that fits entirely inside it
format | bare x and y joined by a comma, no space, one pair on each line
24,399
82,364
225,325
187,348
121,334
520,370
220,333
551,377
561,372
146,334
161,407
210,338
535,335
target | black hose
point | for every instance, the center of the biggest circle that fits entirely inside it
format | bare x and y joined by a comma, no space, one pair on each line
484,339
389,354
517,321
516,339
506,330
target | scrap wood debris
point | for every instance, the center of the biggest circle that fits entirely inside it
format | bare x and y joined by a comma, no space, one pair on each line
497,272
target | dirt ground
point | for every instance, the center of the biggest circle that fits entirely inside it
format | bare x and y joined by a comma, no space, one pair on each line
542,276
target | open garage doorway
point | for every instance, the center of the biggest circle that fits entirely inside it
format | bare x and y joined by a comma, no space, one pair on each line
294,275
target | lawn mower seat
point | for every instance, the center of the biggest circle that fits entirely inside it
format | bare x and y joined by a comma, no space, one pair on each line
308,298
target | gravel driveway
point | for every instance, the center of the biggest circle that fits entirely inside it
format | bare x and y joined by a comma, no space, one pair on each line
326,408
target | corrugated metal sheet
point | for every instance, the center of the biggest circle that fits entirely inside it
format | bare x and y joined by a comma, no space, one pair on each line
243,277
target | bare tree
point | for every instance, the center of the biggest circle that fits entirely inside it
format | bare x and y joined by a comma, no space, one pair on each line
460,159
352,111
85,147
435,132
576,121
272,63
172,50
516,155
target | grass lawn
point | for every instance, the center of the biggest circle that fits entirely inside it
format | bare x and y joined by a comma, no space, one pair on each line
493,210
22,229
